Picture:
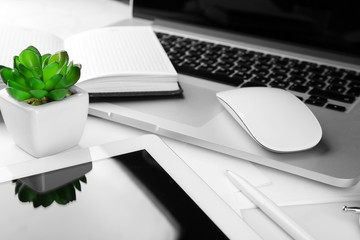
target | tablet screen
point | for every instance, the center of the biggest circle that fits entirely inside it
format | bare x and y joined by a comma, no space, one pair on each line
125,197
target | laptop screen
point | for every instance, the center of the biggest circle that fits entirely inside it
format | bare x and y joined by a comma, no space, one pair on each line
325,25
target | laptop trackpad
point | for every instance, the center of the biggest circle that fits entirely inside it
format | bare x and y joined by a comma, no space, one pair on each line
195,108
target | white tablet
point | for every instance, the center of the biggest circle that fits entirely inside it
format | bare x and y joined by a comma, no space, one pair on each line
130,189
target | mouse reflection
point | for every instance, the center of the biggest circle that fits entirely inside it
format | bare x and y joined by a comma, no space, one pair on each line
58,186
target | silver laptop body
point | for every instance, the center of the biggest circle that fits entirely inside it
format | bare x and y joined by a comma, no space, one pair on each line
197,117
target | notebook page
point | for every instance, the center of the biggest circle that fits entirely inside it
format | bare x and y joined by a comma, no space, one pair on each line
119,51
13,40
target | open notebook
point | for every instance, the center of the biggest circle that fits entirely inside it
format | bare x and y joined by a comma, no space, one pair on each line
115,61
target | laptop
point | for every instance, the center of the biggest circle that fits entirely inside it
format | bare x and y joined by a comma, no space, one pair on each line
310,49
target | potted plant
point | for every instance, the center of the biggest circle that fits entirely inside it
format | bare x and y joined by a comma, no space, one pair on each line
42,109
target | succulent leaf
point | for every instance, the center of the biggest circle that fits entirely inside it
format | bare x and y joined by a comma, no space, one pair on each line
65,194
6,74
30,59
16,74
17,85
57,94
63,70
17,186
61,84
34,49
18,94
77,184
16,62
51,83
43,57
73,75
37,71
60,57
45,200
20,79
83,179
50,70
38,93
45,60
69,67
35,83
25,71
25,194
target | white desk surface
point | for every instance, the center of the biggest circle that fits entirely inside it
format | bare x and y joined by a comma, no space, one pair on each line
314,206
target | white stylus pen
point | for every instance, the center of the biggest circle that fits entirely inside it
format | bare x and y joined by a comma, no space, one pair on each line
268,207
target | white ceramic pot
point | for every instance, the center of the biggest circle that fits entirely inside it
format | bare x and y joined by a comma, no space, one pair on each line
49,128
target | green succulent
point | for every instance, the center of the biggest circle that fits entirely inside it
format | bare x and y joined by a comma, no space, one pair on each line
38,79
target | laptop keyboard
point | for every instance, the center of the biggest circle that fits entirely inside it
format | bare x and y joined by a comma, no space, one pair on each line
315,84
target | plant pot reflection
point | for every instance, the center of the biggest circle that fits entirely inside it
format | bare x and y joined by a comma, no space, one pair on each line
56,186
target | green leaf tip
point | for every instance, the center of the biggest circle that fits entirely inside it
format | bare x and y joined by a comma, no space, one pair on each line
6,74
18,94
30,59
57,94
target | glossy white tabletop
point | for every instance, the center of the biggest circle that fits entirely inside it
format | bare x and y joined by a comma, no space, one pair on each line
68,17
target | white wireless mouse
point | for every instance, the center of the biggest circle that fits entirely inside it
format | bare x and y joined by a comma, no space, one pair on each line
274,118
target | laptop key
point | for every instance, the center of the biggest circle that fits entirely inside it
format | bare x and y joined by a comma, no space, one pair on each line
299,66
299,73
353,77
242,75
225,65
279,77
318,77
279,84
262,66
223,71
354,85
337,88
242,68
281,70
318,98
314,102
203,72
262,80
353,92
332,95
336,107
298,80
335,74
299,88
260,72
316,70
338,81
189,64
316,84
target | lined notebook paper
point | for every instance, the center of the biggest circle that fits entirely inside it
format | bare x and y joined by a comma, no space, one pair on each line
129,50
130,55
